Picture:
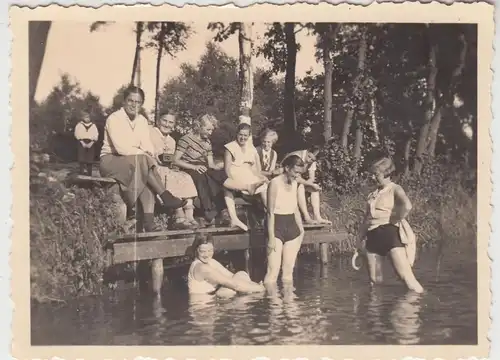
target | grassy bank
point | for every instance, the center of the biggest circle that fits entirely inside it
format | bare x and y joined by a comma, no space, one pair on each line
68,226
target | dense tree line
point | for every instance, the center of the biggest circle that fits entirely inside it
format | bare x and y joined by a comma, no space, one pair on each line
408,90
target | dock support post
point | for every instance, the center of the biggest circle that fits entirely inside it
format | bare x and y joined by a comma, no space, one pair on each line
157,275
323,252
247,260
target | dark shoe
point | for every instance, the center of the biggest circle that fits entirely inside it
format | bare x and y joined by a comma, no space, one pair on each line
171,202
178,225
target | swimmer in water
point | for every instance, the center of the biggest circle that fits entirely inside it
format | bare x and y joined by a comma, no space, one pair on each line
387,206
284,223
207,276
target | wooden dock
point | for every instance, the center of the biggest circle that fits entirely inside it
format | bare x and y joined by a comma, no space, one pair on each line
157,246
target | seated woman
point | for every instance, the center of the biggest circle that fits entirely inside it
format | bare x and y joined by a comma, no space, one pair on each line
242,164
207,276
194,155
127,157
267,155
177,182
308,185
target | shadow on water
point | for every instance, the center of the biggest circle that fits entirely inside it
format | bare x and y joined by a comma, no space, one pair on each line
330,304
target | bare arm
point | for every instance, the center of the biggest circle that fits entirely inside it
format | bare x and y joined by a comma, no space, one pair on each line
403,205
181,163
272,192
218,266
216,277
228,159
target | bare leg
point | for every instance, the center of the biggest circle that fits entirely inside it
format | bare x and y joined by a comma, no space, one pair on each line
374,268
263,196
290,252
226,292
273,263
316,205
303,205
188,210
231,209
403,269
234,185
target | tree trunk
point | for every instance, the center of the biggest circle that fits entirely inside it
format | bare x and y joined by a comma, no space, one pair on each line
328,39
138,34
433,132
407,150
445,101
361,67
38,35
161,38
246,75
290,122
430,98
373,115
358,141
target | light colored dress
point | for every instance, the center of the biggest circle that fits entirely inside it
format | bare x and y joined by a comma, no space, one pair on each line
242,168
178,182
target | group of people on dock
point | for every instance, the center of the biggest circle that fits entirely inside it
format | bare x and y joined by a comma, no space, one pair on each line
149,165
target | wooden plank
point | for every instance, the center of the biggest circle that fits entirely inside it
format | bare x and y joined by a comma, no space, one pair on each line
226,230
165,248
86,178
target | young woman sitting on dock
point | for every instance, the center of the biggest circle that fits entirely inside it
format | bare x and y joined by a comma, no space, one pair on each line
242,165
179,183
195,156
284,224
127,157
267,155
207,276
387,207
307,185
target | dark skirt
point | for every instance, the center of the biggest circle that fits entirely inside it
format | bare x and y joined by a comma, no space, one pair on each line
383,239
85,155
131,173
210,191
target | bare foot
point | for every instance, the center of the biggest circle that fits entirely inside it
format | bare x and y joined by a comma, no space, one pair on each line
310,221
240,224
323,221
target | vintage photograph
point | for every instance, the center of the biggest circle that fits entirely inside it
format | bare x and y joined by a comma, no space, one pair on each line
205,182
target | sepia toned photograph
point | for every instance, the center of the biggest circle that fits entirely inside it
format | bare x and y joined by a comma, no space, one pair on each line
206,180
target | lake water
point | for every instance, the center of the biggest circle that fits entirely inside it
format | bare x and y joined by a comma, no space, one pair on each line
329,305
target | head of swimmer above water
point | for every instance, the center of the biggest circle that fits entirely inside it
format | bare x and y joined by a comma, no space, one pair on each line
203,247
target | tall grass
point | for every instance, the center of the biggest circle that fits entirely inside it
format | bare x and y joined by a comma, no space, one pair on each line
68,231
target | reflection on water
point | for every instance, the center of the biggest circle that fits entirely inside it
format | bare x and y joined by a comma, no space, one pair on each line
324,305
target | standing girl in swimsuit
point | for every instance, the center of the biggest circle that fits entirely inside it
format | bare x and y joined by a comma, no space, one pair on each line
386,207
284,223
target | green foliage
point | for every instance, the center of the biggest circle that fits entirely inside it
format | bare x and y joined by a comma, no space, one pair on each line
53,121
67,233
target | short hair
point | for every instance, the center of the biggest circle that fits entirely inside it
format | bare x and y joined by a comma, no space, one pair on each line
292,161
168,112
384,165
203,119
134,90
269,133
201,239
243,126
